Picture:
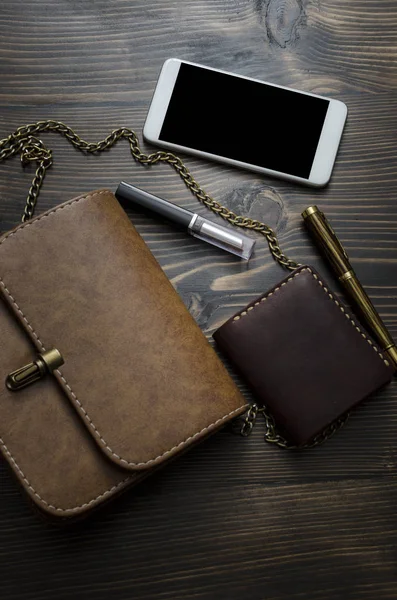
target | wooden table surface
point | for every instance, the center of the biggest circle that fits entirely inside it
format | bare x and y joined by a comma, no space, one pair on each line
234,518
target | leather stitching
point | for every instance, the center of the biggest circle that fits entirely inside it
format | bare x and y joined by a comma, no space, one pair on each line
80,406
245,312
151,460
112,489
51,212
63,510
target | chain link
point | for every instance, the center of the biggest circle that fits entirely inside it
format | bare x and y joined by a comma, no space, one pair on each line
272,436
31,148
35,151
24,142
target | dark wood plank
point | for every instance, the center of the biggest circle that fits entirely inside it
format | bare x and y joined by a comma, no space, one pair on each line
234,518
302,541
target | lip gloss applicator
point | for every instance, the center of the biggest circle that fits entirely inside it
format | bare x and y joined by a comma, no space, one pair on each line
197,226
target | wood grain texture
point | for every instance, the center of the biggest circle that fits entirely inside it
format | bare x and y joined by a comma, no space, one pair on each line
233,518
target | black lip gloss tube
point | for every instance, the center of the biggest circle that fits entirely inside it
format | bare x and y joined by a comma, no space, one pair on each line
197,226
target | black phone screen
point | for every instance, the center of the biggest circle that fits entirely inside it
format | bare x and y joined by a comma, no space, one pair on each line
244,120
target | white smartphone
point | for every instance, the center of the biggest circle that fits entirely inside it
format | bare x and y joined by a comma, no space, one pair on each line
245,122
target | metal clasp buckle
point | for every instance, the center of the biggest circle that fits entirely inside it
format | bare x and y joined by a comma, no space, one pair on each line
45,363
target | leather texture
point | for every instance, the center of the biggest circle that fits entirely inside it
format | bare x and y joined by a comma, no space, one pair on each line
140,382
303,354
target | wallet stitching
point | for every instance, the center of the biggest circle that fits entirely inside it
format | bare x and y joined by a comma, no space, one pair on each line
245,312
81,408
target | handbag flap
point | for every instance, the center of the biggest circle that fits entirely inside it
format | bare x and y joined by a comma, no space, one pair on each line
138,370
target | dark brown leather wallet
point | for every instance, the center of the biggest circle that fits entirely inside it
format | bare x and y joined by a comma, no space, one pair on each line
303,354
139,384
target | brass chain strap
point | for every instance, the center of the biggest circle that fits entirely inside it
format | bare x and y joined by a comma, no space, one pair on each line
272,436
24,141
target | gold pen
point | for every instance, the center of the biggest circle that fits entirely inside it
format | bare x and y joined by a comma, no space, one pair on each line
325,238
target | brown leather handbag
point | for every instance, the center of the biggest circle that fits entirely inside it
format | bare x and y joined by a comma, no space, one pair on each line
104,375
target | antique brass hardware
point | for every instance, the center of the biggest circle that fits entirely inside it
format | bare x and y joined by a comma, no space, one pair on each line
45,363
